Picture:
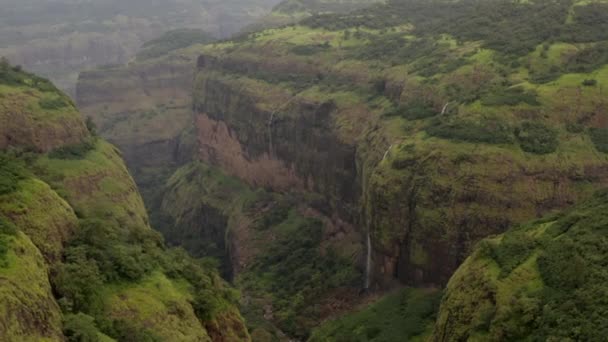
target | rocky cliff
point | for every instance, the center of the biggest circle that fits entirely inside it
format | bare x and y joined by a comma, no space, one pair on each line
428,157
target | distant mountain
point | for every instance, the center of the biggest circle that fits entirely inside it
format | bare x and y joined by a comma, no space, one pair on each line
290,11
60,38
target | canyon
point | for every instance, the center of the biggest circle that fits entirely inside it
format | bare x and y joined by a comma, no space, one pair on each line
337,171
407,164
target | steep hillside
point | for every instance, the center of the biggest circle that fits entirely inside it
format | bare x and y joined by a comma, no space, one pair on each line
78,259
544,280
60,38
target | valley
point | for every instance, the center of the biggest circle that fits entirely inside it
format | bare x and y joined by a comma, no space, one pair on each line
337,171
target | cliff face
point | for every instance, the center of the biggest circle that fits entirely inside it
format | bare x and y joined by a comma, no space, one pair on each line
77,254
428,159
143,107
271,138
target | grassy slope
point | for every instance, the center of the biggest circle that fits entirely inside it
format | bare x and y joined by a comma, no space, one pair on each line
34,114
86,221
42,215
28,311
543,280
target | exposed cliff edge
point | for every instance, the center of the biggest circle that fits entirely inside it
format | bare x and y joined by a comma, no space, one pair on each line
78,258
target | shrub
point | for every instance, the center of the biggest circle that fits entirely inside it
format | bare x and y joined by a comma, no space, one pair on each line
91,126
512,251
78,280
561,267
118,256
599,136
535,137
309,50
7,227
414,111
486,131
510,97
588,59
123,330
574,127
76,151
590,83
80,328
11,172
54,102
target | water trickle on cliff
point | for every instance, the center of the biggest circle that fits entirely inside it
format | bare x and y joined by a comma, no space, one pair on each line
368,262
270,147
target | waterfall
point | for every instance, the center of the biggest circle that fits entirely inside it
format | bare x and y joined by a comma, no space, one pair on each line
270,146
368,262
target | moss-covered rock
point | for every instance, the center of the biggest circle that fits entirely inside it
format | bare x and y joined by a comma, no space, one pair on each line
34,114
28,311
47,219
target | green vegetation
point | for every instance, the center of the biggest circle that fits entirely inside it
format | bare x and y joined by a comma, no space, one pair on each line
7,229
535,137
509,27
15,76
510,97
414,111
406,315
539,281
80,328
75,245
309,50
11,172
489,131
599,136
295,273
77,151
51,103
